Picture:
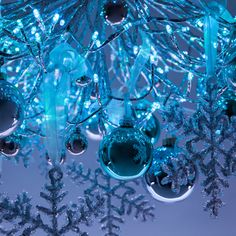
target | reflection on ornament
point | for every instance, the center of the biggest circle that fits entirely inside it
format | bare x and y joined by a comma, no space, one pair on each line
126,153
9,148
11,109
77,143
115,12
155,177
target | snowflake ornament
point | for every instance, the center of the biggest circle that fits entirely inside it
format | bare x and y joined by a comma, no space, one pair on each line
24,222
120,198
213,146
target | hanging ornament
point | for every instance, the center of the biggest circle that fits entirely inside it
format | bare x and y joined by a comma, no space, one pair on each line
126,153
163,190
9,147
151,126
83,81
76,143
230,107
11,108
115,12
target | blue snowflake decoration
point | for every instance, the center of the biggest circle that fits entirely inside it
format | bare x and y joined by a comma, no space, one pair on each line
18,215
120,197
210,143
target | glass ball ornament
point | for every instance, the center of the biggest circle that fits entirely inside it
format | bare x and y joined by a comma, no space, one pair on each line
11,108
160,191
9,147
230,109
228,101
83,81
76,143
115,12
125,153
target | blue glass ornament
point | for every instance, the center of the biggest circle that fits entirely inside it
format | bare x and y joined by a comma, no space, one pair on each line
230,108
115,12
126,153
83,81
229,103
230,74
76,143
9,147
11,108
159,189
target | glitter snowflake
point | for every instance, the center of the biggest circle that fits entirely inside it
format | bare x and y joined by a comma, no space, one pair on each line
120,197
215,134
210,143
17,215
180,171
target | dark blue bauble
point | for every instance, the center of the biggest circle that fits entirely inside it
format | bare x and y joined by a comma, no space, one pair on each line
76,143
11,109
155,175
9,148
126,153
228,101
115,12
230,108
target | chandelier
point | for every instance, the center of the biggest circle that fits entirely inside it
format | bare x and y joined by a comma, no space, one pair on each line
153,81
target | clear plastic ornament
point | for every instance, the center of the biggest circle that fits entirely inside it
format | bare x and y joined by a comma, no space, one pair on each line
155,178
11,108
125,153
